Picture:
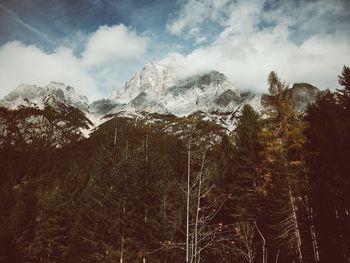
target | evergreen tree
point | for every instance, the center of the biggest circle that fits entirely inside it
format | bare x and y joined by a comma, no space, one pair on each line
10,215
343,191
100,230
344,93
245,185
328,144
52,234
282,139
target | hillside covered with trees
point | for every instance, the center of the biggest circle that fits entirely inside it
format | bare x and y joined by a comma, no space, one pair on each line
276,189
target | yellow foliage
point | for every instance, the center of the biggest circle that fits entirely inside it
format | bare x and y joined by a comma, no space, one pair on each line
282,136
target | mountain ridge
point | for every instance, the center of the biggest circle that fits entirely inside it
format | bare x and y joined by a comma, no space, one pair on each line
155,90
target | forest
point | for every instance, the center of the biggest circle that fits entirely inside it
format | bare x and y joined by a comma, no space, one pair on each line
276,189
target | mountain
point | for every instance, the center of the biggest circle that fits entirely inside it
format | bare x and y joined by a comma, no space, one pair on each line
55,115
303,94
43,117
157,88
39,97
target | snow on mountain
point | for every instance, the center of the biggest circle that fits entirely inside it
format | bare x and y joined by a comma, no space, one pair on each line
159,90
154,79
41,128
207,92
40,97
49,116
159,87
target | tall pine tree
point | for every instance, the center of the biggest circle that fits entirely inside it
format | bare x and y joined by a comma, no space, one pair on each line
282,139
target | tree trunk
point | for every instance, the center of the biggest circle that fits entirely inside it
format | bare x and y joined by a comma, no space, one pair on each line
296,226
116,131
121,259
264,252
188,202
312,231
278,253
196,250
146,185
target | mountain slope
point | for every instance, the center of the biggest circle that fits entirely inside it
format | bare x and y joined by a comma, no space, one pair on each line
55,115
157,88
39,97
303,94
43,117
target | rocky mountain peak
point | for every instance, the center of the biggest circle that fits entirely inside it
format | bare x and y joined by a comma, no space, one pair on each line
39,97
152,78
160,87
303,94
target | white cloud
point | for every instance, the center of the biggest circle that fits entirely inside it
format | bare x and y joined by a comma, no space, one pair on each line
253,41
194,12
107,50
248,62
301,40
29,64
109,44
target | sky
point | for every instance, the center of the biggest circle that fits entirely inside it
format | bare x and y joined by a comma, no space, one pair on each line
97,45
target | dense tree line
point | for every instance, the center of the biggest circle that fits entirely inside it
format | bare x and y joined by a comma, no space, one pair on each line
275,190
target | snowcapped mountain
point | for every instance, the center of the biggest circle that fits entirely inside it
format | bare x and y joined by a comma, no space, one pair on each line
43,117
56,115
158,88
154,78
39,97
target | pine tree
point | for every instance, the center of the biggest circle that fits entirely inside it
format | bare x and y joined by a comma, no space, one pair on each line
328,165
52,235
11,214
344,193
245,185
344,94
100,232
282,139
244,197
119,219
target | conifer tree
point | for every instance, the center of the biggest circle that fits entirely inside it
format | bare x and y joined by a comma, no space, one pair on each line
106,217
282,139
344,193
245,185
344,93
52,234
328,165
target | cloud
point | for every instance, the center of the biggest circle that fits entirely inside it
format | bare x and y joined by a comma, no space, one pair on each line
28,64
304,41
109,44
309,16
248,62
92,74
192,13
259,36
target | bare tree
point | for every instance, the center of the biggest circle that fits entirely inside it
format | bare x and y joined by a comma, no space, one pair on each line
264,250
188,193
246,247
202,234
